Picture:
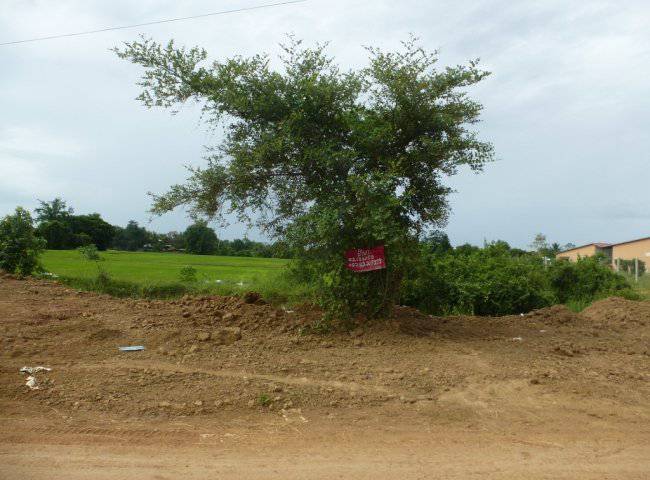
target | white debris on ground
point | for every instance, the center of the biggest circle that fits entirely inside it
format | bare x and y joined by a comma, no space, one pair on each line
293,415
31,381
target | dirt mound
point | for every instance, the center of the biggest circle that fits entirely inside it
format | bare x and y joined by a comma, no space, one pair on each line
209,355
618,311
214,363
554,315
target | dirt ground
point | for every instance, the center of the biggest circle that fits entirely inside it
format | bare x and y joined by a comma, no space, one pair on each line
232,390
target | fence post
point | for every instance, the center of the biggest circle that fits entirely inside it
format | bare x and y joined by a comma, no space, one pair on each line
636,270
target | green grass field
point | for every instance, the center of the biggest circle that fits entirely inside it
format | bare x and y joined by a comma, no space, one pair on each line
151,267
158,274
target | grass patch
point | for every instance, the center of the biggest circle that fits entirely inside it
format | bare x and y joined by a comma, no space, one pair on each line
164,275
642,287
154,267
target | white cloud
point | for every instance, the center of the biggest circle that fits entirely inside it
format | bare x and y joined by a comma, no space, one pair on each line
29,141
567,101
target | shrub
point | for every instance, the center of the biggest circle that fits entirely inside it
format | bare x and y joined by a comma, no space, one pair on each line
585,280
19,245
497,280
188,274
486,281
89,252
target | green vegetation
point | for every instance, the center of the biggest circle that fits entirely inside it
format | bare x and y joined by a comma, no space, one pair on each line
264,399
19,245
158,275
188,274
200,239
498,280
61,229
642,286
328,160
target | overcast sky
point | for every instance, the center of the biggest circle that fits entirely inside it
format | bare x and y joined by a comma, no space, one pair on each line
566,107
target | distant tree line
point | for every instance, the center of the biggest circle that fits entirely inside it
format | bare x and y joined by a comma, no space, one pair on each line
63,230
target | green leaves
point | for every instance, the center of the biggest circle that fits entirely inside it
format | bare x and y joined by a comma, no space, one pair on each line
19,246
327,159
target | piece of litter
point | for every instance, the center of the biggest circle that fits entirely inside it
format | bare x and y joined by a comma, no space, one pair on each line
293,415
31,382
32,370
521,314
133,348
517,339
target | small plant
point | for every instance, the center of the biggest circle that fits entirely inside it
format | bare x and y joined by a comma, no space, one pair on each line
103,278
264,400
90,252
188,274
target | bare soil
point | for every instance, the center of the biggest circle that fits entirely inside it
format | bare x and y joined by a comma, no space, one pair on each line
227,389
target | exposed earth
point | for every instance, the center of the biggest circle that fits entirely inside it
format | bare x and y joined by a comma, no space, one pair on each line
231,388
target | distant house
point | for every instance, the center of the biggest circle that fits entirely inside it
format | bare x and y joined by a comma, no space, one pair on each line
630,250
588,250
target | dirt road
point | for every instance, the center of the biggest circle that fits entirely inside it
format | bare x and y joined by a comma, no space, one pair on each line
231,390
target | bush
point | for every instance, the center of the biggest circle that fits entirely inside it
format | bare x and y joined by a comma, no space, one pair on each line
486,281
586,280
498,280
188,274
19,245
89,252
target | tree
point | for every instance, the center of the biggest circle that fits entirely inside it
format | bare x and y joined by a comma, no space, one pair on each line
200,239
176,240
91,229
19,245
540,244
56,210
327,160
437,242
57,234
553,250
133,237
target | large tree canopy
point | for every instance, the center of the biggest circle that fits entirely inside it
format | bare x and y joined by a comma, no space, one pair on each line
326,159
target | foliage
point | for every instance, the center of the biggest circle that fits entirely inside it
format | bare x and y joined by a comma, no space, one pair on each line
57,234
499,280
540,244
628,266
437,242
56,210
488,281
131,238
188,274
20,247
93,227
200,239
89,252
328,160
586,279
63,230
264,400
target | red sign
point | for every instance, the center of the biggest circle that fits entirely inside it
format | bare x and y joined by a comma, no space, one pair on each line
366,259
